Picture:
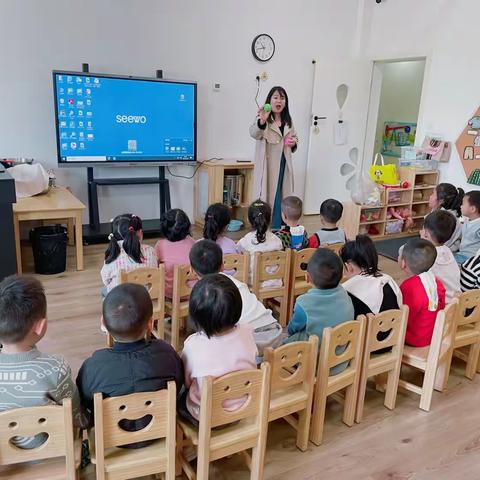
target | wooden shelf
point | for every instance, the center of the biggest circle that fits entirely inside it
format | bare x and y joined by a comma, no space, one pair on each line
372,222
423,202
403,204
425,187
416,217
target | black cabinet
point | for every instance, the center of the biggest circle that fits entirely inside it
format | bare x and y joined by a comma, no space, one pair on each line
8,263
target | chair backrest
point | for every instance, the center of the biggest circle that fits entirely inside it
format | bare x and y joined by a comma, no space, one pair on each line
334,247
271,266
109,412
252,385
348,338
54,420
292,364
298,258
393,322
153,279
468,311
183,275
236,264
443,337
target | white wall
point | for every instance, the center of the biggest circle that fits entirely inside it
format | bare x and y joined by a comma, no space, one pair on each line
400,94
208,41
446,32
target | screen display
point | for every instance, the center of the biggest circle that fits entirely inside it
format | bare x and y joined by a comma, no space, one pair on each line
102,119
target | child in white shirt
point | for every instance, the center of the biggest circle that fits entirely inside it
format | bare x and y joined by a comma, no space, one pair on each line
260,239
470,242
125,250
438,228
221,345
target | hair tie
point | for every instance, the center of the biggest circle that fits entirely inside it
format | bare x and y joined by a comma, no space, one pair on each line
111,236
259,214
130,229
210,216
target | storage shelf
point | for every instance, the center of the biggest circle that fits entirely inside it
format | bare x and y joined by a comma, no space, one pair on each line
416,217
425,187
423,202
398,204
371,207
372,222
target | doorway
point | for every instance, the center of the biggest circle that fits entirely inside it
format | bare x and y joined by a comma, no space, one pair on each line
395,105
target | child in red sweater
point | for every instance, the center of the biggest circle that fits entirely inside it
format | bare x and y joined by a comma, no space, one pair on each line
422,292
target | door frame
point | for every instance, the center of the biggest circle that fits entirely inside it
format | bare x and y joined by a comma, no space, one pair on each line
374,104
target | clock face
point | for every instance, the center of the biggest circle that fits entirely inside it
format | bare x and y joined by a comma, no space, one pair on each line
263,47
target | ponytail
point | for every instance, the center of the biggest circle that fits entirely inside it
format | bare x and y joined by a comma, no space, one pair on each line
450,197
131,244
259,216
217,217
125,227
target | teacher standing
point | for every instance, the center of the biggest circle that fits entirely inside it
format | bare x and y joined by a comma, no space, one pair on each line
276,141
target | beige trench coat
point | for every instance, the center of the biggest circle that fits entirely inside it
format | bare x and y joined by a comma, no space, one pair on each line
268,154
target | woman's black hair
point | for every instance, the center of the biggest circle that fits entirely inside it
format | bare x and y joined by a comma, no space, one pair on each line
217,218
125,227
285,115
260,216
215,304
450,197
175,225
361,252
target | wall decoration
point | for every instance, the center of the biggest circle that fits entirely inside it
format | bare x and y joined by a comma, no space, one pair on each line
396,135
468,147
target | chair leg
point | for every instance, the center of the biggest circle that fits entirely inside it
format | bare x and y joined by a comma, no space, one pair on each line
175,332
350,404
318,419
427,389
472,361
283,311
392,387
441,378
178,453
303,428
362,388
203,463
258,458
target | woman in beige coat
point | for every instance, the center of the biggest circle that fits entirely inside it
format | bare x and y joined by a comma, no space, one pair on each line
276,141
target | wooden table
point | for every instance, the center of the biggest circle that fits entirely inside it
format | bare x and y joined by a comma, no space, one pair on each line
58,203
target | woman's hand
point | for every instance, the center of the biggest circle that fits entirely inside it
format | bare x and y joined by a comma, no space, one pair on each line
263,116
290,141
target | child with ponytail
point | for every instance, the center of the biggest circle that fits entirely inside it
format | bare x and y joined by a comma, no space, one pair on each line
125,250
261,238
217,219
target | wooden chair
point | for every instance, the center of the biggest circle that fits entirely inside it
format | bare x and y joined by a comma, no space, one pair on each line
123,463
177,307
467,335
249,431
350,336
291,385
269,260
433,360
393,322
57,458
334,247
238,263
298,281
153,279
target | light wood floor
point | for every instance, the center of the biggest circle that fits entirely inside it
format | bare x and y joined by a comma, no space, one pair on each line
403,444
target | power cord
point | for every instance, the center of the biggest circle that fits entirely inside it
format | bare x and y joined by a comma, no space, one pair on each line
257,78
196,168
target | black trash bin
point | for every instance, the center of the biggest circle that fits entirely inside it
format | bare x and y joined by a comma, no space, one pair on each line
49,246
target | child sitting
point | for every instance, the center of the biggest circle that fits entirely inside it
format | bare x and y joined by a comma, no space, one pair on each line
327,304
206,258
261,239
217,219
470,242
371,291
470,273
174,247
133,364
330,214
125,250
30,378
448,197
291,215
438,228
422,292
220,346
